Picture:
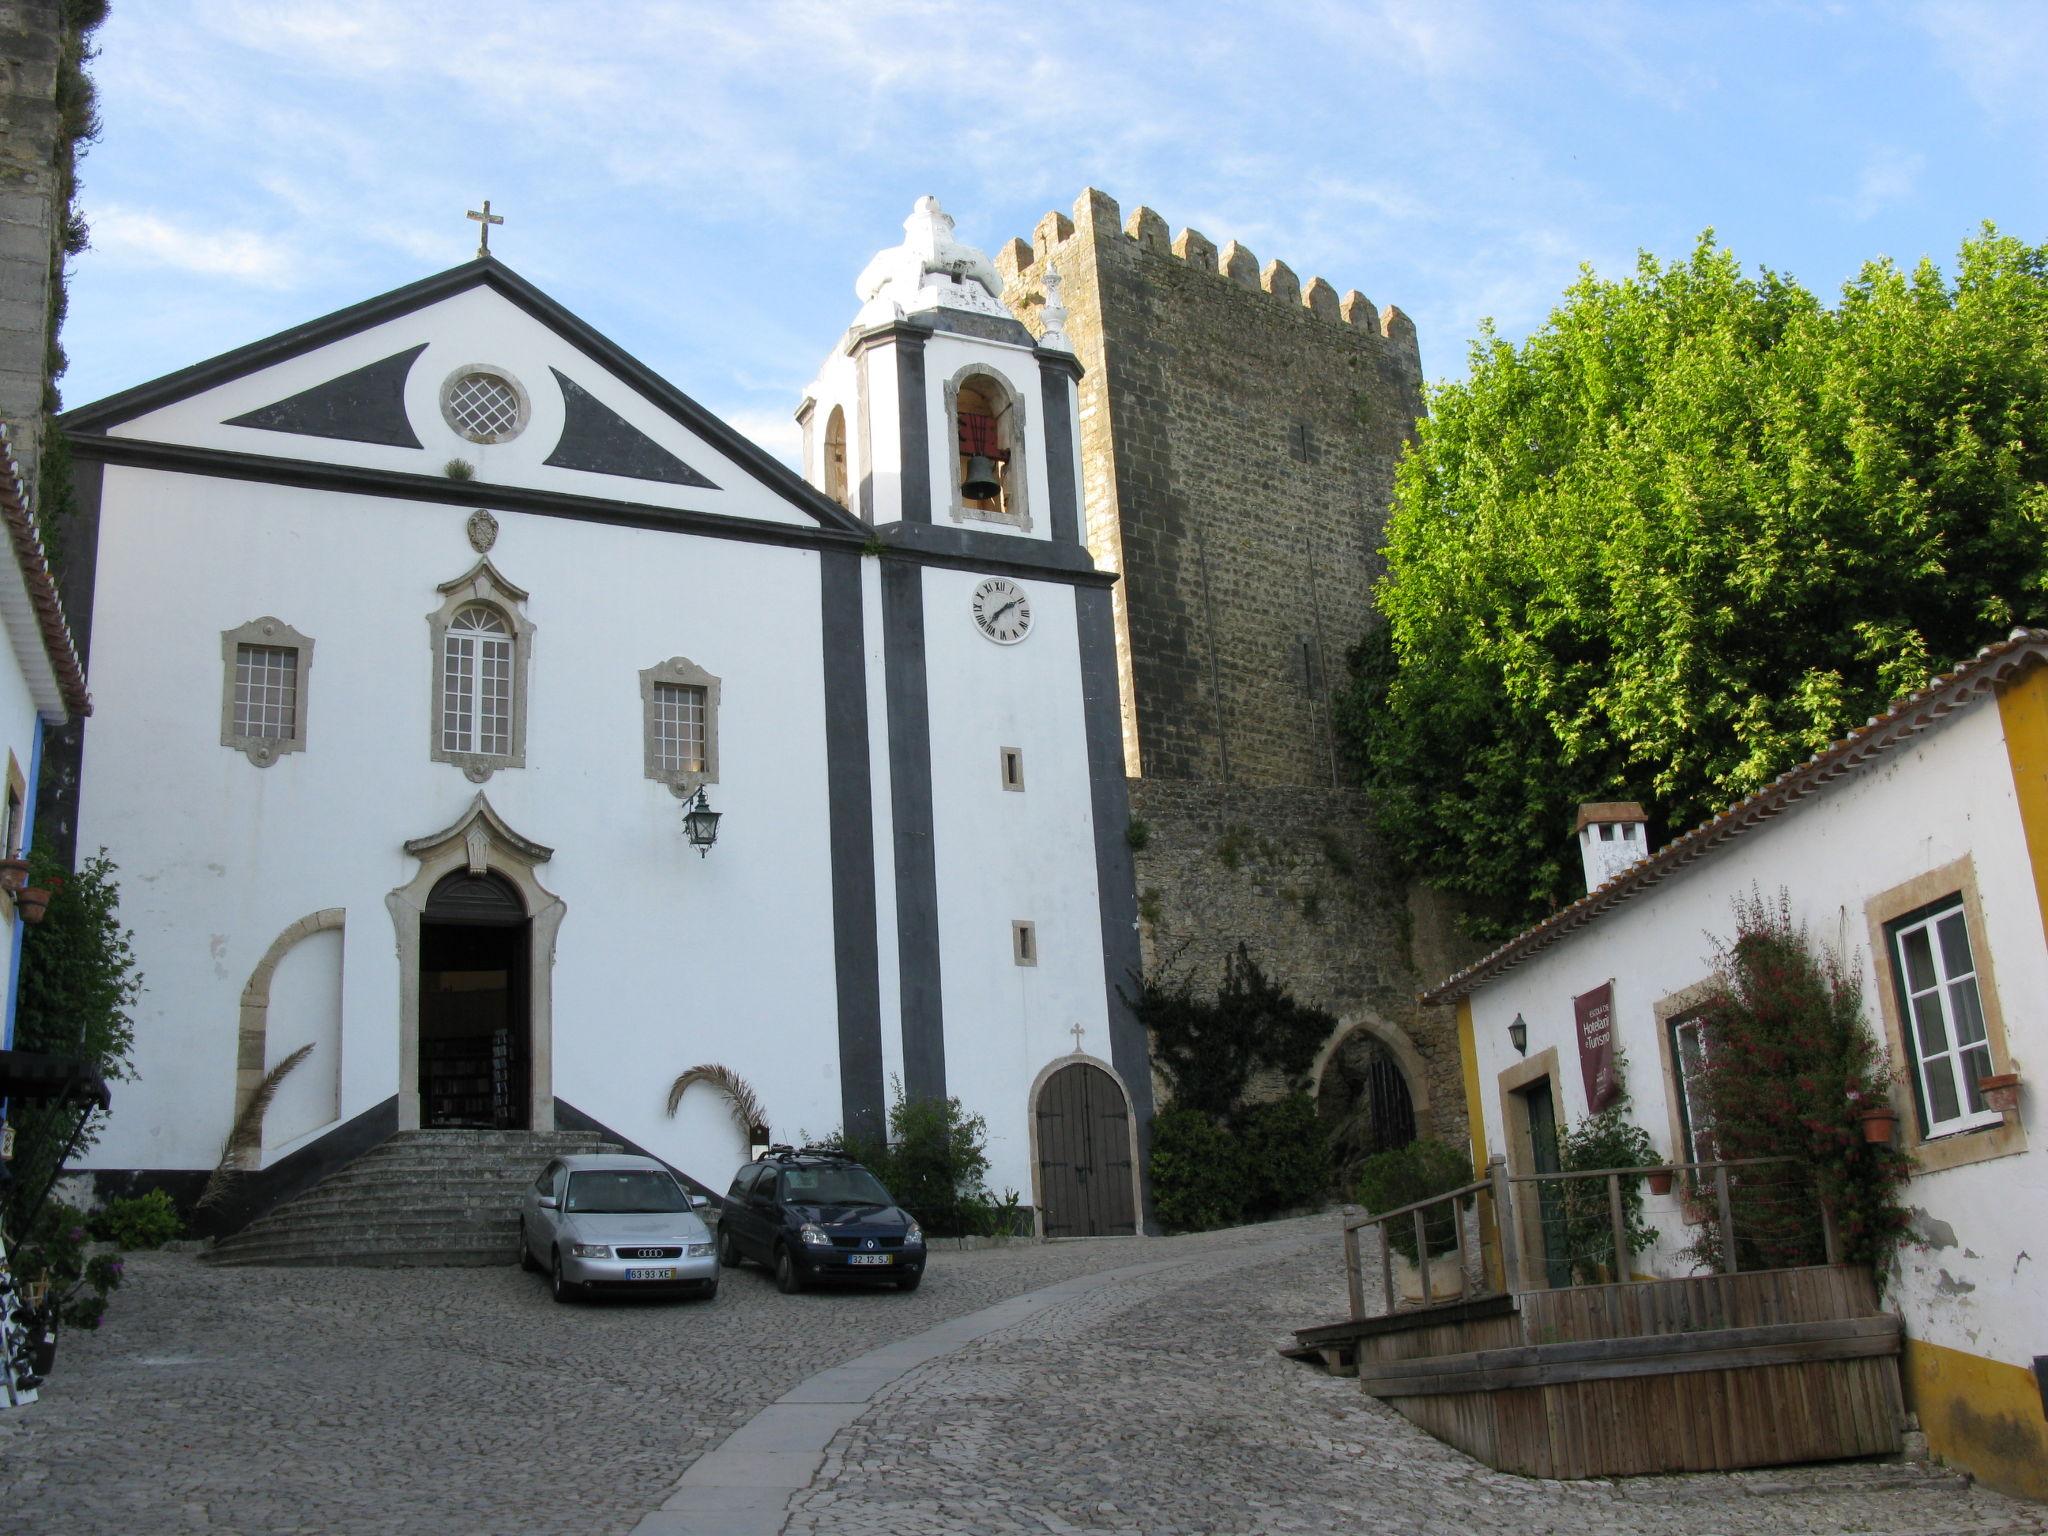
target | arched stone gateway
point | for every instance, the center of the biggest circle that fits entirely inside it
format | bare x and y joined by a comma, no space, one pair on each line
1084,1151
1372,1091
476,952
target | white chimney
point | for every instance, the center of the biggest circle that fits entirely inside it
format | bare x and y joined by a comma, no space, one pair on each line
1613,834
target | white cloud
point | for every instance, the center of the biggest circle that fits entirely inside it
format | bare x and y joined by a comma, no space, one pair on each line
1887,178
1998,50
148,239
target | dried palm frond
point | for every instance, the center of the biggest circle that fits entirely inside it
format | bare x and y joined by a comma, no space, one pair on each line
739,1097
245,1136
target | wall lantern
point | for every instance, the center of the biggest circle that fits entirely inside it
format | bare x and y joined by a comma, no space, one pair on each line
1518,1032
700,823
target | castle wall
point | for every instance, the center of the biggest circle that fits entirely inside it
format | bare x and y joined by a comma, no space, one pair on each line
1239,434
29,51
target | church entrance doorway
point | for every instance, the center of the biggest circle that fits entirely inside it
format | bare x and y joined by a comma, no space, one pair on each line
475,1015
1084,1154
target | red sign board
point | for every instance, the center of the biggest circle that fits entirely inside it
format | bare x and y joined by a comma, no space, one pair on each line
1594,1011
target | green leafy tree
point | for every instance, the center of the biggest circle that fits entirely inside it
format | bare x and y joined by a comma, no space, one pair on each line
78,983
1695,527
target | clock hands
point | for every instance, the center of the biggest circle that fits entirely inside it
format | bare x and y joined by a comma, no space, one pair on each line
997,615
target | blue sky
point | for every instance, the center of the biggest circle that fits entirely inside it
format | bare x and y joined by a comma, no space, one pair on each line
703,182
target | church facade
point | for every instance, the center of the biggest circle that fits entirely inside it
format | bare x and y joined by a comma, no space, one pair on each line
428,640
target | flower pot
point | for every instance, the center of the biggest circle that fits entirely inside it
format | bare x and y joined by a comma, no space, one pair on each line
1443,1278
13,874
2001,1091
1660,1181
32,902
43,1354
1878,1122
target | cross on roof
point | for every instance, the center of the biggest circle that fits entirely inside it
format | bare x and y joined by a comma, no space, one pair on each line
486,219
1077,1032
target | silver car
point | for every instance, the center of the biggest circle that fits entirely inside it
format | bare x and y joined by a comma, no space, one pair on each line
615,1222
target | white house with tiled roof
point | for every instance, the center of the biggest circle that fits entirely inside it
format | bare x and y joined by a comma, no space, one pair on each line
1919,844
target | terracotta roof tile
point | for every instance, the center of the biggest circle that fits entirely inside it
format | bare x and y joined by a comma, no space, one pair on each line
26,538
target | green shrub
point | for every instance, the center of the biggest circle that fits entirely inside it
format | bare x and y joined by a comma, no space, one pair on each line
1197,1171
1608,1139
1138,833
54,1256
145,1221
1403,1175
1209,1050
1286,1157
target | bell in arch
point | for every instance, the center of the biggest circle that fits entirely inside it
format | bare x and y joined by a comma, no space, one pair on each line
980,483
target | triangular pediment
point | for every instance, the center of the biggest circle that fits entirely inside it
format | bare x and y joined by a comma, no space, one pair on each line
477,366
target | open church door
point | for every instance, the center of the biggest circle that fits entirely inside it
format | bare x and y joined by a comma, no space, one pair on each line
476,1017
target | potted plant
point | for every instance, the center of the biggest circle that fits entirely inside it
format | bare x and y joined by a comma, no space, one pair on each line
2001,1091
13,874
1879,1120
32,901
1660,1181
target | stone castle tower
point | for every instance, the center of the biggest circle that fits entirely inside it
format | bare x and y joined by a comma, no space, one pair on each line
1239,433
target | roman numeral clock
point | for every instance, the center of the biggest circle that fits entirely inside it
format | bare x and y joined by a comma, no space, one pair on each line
1001,610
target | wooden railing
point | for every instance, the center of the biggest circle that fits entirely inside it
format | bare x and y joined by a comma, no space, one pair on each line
1704,1180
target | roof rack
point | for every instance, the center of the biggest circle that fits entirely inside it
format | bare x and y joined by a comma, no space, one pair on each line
782,1153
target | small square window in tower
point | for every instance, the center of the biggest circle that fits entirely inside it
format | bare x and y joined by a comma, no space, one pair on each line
984,453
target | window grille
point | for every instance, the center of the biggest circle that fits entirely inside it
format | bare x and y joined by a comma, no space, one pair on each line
483,408
678,728
266,692
476,685
1944,1018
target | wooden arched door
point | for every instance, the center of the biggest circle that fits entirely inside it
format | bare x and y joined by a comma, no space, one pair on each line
1084,1154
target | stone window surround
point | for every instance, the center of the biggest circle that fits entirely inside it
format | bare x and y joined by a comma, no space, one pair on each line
1023,942
275,633
1012,769
1010,423
503,376
682,782
1667,1011
481,585
1953,1149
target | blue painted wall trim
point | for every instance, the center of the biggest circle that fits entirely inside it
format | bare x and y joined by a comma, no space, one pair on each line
28,837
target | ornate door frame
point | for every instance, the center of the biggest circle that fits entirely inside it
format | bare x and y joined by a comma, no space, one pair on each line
480,842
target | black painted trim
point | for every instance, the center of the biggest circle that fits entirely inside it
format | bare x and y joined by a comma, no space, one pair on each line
1065,362
867,440
1115,877
598,440
1061,492
364,405
915,429
486,272
955,549
569,1118
910,799
851,808
63,769
262,1190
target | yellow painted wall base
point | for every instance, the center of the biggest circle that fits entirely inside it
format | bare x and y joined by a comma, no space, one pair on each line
1981,1415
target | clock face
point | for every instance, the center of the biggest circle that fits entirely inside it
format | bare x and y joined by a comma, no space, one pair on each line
1001,610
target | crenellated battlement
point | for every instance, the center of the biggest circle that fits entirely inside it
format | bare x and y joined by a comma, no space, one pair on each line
1097,217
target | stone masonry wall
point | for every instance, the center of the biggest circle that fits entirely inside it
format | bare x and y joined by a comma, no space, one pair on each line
1295,874
1239,436
28,182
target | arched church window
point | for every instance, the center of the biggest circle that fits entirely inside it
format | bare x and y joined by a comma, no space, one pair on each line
476,684
988,463
482,643
835,457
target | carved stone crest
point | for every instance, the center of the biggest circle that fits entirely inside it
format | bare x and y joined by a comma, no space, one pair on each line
483,531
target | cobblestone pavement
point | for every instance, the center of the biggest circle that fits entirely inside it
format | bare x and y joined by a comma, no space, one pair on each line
1161,1406
456,1401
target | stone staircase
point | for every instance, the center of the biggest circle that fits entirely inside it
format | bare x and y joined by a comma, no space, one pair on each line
420,1199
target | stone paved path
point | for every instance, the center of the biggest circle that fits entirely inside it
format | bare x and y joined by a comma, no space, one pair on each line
453,1401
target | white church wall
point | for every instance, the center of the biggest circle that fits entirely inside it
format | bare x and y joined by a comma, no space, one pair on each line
889,973
476,327
883,438
305,1009
1946,795
663,960
945,356
1005,856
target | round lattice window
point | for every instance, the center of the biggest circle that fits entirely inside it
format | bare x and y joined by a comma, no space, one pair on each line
483,405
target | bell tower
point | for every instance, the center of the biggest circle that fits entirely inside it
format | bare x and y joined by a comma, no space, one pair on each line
939,410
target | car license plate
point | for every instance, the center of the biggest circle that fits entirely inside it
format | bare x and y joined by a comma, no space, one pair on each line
870,1258
650,1274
